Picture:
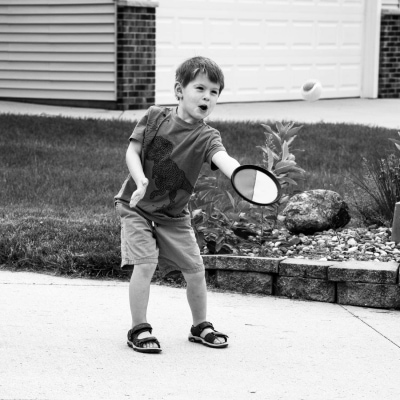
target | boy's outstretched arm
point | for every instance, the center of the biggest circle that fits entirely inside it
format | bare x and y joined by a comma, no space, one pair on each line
225,163
135,168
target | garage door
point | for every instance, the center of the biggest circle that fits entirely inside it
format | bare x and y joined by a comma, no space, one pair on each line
267,48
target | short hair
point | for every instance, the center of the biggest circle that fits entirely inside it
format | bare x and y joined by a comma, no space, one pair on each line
189,69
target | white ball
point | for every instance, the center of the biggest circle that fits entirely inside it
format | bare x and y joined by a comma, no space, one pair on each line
311,90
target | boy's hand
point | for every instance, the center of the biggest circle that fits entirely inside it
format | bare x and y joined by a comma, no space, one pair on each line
138,194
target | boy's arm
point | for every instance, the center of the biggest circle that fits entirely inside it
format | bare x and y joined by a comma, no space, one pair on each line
225,163
135,168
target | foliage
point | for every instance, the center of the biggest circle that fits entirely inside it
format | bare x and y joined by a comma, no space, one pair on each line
277,157
216,215
226,224
59,175
380,181
67,247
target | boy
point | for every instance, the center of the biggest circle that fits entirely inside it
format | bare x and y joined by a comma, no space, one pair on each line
166,152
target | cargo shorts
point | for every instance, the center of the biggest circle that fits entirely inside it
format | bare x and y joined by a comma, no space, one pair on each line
172,247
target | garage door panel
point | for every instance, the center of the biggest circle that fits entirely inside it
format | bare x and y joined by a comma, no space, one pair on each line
266,48
221,32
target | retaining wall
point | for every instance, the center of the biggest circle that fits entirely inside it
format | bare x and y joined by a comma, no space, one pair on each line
356,283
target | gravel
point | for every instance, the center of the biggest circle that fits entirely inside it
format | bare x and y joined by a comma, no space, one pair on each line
362,244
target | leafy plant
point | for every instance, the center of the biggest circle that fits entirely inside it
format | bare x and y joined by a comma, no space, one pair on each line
277,156
225,223
280,160
380,180
218,216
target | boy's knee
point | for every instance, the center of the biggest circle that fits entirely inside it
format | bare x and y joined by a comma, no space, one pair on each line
146,270
195,278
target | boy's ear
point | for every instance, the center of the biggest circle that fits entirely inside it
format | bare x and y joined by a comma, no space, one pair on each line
178,91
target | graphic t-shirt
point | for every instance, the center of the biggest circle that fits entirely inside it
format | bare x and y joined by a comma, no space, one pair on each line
172,164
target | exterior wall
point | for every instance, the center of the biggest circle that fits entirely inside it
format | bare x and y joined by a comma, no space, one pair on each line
88,53
136,54
389,59
61,51
390,4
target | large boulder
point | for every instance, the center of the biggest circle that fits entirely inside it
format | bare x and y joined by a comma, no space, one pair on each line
315,211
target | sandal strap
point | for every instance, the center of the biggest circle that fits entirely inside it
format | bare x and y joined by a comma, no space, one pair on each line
138,329
196,330
211,336
140,342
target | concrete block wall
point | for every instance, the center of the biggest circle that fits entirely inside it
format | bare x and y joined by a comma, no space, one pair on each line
136,54
389,58
357,283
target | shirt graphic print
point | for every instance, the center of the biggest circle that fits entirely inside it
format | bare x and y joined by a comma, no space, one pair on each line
168,177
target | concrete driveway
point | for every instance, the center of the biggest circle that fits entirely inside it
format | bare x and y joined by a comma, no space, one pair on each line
64,338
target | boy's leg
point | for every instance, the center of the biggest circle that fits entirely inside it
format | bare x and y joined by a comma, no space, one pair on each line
196,293
139,292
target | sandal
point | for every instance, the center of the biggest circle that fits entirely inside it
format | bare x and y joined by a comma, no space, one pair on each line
208,340
137,344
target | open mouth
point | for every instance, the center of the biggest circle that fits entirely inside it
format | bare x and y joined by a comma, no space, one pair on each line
203,107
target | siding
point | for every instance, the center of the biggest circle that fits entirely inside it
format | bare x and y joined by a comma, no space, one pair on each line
64,49
390,4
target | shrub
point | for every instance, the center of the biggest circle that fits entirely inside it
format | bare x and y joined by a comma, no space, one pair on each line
380,181
226,224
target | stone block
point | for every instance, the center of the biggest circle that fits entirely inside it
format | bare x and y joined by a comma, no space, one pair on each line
244,282
368,295
251,264
362,271
304,268
209,261
305,289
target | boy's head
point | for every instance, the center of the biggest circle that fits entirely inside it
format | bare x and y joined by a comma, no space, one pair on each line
190,68
199,82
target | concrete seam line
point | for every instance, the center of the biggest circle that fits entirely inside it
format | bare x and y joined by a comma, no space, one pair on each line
379,333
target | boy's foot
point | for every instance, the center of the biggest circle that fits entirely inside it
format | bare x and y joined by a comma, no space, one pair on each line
205,334
140,339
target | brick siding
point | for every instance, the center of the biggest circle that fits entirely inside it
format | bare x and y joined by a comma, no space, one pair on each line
136,56
389,59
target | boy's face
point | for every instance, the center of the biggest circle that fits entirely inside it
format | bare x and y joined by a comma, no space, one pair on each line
198,99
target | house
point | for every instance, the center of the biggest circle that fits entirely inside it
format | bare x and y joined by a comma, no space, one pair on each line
123,53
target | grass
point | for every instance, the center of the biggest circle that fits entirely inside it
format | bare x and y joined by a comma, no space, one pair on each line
59,175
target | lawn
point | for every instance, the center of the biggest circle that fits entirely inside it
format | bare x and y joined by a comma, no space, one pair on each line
59,176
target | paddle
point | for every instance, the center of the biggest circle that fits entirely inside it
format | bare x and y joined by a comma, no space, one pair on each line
256,185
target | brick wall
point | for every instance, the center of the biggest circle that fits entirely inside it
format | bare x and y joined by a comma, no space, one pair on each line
136,54
389,58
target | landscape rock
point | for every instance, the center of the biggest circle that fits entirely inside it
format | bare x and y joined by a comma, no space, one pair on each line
315,211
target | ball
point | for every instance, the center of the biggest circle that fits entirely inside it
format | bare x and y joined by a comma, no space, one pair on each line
311,90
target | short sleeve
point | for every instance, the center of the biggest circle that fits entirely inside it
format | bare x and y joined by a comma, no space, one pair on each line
140,128
214,146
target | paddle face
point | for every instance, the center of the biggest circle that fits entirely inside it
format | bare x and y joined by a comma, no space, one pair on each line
256,185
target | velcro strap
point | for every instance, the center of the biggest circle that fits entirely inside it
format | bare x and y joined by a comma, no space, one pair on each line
210,337
140,342
138,329
196,330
